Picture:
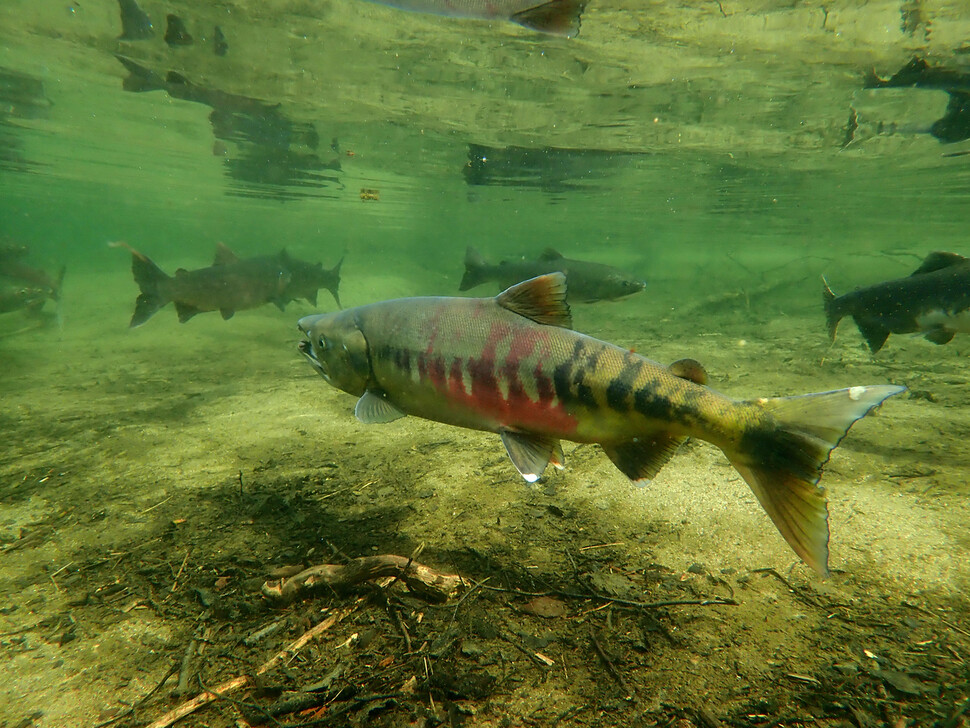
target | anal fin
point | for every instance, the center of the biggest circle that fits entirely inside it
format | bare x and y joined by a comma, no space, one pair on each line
185,312
530,454
641,458
874,333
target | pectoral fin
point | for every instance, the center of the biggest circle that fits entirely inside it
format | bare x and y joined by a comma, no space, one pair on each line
642,457
530,454
374,409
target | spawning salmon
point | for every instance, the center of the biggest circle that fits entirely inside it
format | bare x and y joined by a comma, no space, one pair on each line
512,365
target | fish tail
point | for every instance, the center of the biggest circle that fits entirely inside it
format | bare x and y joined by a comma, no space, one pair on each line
334,275
150,279
476,270
832,313
782,461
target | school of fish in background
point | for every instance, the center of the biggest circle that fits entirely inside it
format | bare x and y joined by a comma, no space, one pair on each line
511,364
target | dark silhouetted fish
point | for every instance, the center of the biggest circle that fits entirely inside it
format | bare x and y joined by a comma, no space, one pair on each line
552,169
587,281
304,279
227,286
176,34
135,23
558,17
22,298
934,301
511,365
954,125
308,278
14,269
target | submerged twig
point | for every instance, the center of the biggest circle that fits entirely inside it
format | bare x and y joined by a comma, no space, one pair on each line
420,579
611,668
208,696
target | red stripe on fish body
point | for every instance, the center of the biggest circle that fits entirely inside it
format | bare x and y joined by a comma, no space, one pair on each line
466,362
473,363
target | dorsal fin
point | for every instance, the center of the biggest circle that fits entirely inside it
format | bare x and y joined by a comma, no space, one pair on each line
938,260
550,254
542,299
689,369
224,255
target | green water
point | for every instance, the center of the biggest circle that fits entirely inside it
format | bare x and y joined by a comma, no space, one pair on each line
702,146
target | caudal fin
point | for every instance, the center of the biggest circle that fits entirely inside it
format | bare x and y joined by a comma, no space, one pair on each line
783,465
150,279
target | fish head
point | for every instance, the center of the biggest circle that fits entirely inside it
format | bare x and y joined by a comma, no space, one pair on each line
618,285
335,346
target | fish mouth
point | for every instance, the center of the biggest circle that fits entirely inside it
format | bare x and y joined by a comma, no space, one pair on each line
306,348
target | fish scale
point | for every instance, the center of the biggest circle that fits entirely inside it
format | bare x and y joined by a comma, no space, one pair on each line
512,365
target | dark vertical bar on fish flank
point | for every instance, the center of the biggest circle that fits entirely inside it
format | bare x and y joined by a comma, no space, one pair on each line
619,392
436,372
571,379
585,374
521,346
456,378
544,386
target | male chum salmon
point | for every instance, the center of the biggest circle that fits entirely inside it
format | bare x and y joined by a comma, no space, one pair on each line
511,365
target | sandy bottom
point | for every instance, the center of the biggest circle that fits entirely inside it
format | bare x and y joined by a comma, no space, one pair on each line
153,479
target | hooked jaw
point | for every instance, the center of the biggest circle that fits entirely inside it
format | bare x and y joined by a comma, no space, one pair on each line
306,346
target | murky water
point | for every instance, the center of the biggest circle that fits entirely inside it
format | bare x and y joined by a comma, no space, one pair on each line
726,152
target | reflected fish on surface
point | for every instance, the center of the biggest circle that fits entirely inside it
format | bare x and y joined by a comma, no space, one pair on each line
511,365
585,281
176,34
228,285
933,301
954,125
135,23
557,17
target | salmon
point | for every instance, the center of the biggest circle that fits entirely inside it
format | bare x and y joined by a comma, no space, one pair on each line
512,365
557,17
933,301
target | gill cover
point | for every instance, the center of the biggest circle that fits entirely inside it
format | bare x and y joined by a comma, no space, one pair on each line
338,349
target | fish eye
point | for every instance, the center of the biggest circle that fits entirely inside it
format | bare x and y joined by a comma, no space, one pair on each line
322,343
